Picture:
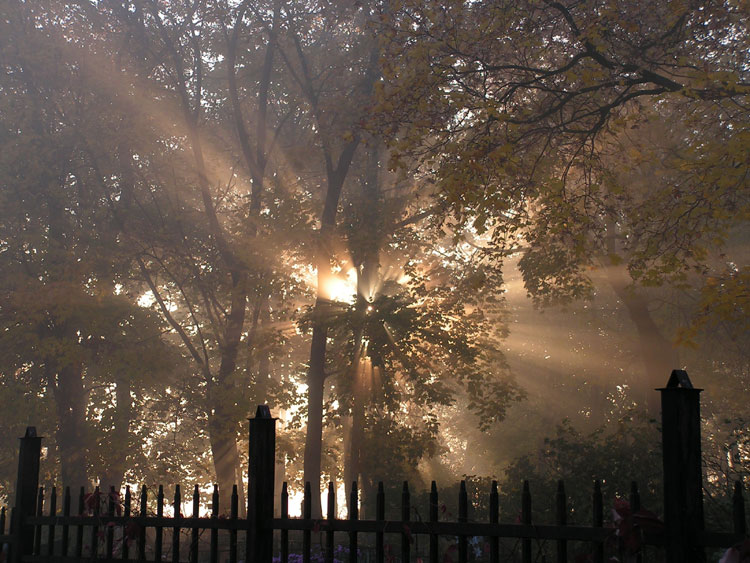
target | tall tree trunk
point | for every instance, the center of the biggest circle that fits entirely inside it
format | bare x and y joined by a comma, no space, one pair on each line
256,162
279,476
315,391
316,372
352,465
222,418
70,405
241,500
258,353
658,354
365,250
222,430
355,435
114,472
336,173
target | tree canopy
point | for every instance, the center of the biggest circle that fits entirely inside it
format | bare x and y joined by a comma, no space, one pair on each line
532,115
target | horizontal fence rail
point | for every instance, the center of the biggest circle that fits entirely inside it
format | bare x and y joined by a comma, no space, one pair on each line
119,533
105,526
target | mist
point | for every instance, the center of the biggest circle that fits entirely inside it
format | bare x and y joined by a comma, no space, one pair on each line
441,241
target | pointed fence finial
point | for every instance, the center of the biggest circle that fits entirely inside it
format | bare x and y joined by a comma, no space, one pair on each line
679,378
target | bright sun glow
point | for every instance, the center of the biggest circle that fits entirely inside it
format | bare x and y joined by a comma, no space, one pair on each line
296,497
146,300
342,288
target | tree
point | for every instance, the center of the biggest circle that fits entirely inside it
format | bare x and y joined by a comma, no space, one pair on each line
523,111
202,234
405,345
332,65
65,329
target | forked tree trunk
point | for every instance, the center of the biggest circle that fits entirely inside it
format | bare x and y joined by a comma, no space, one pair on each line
222,422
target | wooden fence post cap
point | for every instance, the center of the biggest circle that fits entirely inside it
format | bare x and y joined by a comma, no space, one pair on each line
679,380
30,433
264,412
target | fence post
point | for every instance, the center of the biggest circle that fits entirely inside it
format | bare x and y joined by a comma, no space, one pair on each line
683,479
260,485
27,484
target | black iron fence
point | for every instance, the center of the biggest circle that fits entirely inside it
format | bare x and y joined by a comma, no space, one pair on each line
104,527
